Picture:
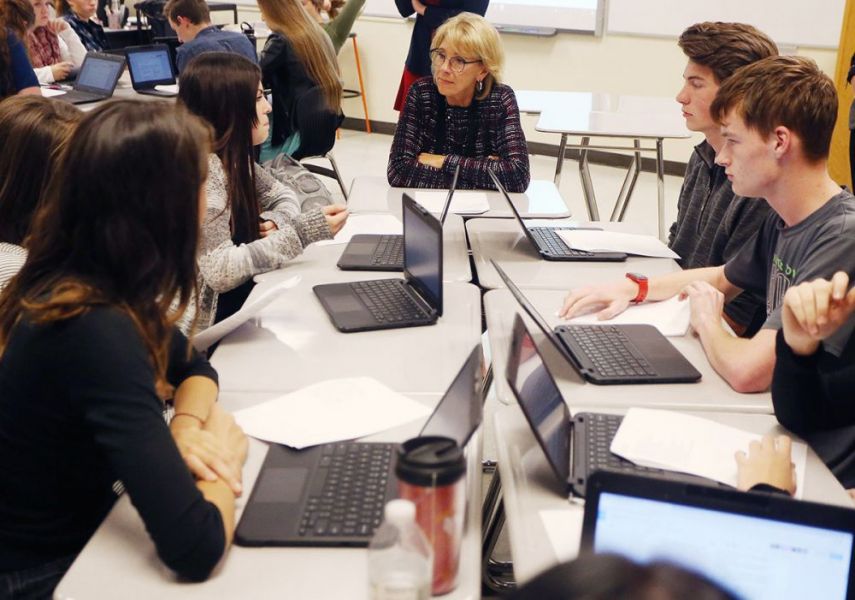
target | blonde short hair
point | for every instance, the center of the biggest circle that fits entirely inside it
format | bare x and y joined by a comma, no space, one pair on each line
474,36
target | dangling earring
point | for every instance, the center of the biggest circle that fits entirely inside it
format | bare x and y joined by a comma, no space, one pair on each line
479,86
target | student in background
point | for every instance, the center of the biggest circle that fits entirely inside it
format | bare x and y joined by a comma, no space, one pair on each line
812,385
777,116
89,351
38,130
191,21
429,16
463,115
80,15
341,16
16,73
253,222
712,222
54,47
300,68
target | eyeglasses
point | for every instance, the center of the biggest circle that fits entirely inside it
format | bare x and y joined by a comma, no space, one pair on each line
455,63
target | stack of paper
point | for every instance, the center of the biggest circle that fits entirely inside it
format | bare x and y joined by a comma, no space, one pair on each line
254,305
378,224
462,203
612,241
678,442
330,411
670,317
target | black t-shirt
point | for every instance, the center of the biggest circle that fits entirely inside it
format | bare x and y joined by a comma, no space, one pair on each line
79,411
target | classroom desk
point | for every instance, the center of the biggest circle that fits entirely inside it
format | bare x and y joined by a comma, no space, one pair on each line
540,200
712,393
598,115
503,241
455,257
529,487
293,343
120,559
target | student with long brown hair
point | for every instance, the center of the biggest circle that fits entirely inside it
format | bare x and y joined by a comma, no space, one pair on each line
300,67
16,73
253,222
88,348
38,129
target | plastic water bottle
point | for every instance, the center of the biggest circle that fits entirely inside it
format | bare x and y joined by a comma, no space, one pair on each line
400,560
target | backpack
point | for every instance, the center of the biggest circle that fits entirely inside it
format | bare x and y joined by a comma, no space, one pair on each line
311,191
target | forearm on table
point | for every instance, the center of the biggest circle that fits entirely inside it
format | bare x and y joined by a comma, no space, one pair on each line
663,287
746,364
220,495
194,396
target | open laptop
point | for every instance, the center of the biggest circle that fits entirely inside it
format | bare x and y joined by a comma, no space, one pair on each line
306,498
548,243
392,303
97,79
612,354
576,446
151,66
383,252
758,546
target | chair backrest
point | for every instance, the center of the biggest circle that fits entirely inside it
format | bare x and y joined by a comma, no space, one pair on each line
316,123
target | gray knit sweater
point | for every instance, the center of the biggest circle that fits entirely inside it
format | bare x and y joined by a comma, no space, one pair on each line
223,265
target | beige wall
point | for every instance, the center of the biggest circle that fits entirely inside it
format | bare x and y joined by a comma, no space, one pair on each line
613,63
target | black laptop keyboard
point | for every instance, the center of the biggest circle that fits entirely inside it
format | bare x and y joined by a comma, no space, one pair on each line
552,243
388,301
609,351
351,500
600,431
389,251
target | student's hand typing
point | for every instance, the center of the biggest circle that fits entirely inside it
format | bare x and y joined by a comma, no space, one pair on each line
265,228
706,304
768,461
432,160
813,310
336,216
609,299
212,450
61,70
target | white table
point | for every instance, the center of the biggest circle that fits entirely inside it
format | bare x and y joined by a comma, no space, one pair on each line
503,241
529,487
120,559
540,200
599,115
293,344
712,393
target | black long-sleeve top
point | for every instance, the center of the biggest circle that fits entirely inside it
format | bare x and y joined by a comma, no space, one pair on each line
813,398
488,127
437,12
79,411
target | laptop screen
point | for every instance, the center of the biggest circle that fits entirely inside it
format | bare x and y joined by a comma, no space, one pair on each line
458,414
757,558
99,73
150,66
423,252
539,399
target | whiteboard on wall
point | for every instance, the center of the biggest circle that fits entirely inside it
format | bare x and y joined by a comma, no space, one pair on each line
814,23
563,15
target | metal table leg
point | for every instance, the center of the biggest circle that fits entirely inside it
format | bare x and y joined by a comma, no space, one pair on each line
660,188
585,174
560,163
628,186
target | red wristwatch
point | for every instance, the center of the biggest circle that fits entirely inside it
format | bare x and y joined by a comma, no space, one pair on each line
641,280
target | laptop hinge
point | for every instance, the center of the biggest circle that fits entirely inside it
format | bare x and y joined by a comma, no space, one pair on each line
411,289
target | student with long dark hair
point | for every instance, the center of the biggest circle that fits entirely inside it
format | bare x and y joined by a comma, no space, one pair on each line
38,129
16,72
253,222
88,349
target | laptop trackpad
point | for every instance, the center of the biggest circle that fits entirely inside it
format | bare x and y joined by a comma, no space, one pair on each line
341,303
281,484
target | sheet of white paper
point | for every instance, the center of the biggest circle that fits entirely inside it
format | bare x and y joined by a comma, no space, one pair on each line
462,203
670,317
689,444
564,530
171,88
612,241
329,411
48,92
204,339
377,224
